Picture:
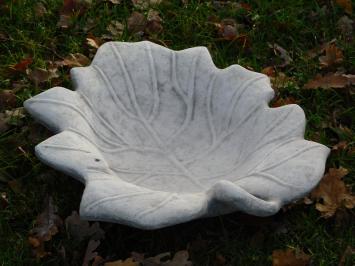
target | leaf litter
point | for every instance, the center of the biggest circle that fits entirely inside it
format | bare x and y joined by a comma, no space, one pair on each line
70,9
333,56
227,29
47,225
136,22
22,65
80,230
282,53
346,5
90,253
290,257
332,194
154,21
144,4
180,258
93,41
8,99
346,27
115,28
330,80
11,117
75,60
41,75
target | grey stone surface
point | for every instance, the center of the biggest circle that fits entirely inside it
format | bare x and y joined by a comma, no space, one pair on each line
161,137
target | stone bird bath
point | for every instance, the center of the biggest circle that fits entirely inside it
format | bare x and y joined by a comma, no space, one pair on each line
161,137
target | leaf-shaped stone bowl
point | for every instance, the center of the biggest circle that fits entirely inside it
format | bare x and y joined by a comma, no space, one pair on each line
160,137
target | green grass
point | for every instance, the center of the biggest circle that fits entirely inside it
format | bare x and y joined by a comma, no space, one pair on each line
241,239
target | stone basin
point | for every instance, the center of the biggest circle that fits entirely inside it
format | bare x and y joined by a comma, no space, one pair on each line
160,137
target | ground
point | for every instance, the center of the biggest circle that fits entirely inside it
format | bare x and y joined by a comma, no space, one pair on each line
284,39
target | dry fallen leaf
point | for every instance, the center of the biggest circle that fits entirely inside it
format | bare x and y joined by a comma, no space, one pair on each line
115,28
76,60
232,5
90,253
3,124
69,9
227,29
319,49
282,53
22,65
332,194
136,22
284,101
269,71
126,262
346,5
93,41
144,4
80,229
333,55
64,21
115,2
7,99
181,258
151,261
346,27
330,80
351,78
290,257
349,251
280,80
340,146
40,10
46,226
153,22
14,116
40,75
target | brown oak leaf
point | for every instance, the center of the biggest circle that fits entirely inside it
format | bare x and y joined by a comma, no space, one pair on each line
41,75
115,28
144,4
330,80
282,53
22,65
153,22
227,29
332,194
290,257
7,99
69,9
126,262
46,226
115,2
136,22
333,56
346,5
93,41
181,258
80,229
90,253
75,60
283,101
346,27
